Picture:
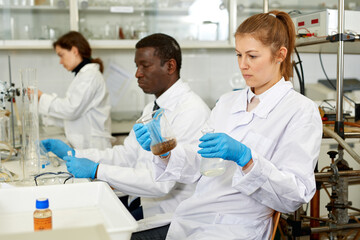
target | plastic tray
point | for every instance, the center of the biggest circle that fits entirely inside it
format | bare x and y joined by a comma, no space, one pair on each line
73,206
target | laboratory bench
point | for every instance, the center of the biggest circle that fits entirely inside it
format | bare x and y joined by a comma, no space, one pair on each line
119,129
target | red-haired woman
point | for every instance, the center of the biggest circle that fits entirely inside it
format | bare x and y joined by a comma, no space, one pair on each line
269,135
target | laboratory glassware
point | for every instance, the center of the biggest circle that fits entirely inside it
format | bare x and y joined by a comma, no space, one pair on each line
211,167
5,175
30,150
162,137
42,215
5,146
237,82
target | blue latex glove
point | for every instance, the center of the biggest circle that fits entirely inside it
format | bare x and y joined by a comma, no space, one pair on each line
221,145
142,135
81,167
58,147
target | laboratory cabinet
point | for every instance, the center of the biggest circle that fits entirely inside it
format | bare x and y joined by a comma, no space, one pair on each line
118,24
32,23
115,23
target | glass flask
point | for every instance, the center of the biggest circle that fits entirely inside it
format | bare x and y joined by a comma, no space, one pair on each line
162,137
211,167
237,82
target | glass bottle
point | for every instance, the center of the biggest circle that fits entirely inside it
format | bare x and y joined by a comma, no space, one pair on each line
42,215
211,167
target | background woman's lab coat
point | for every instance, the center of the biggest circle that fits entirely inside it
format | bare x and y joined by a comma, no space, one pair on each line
284,134
85,109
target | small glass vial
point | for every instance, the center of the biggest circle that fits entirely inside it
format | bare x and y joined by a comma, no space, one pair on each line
211,167
42,215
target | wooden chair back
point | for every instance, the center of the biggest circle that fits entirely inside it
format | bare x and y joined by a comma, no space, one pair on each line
276,219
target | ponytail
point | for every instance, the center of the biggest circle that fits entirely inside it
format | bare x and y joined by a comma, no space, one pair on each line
100,62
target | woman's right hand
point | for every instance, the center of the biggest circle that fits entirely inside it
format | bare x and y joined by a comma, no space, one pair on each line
221,145
39,94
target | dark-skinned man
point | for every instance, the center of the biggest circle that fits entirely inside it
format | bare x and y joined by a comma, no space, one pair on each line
127,168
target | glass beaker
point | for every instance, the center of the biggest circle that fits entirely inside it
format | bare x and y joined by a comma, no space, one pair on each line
5,146
211,167
5,175
162,137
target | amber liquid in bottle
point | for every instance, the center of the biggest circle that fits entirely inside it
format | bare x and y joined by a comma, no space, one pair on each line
42,215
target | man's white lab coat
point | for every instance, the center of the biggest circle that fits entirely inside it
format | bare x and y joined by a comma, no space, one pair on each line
85,109
284,134
128,167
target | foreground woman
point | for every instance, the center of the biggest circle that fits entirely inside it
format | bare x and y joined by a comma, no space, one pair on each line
269,134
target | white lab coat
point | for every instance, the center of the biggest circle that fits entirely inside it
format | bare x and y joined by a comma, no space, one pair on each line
284,134
85,109
128,168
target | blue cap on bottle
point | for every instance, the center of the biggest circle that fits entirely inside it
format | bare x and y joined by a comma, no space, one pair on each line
42,203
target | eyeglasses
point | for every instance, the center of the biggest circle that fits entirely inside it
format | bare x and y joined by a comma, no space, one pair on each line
53,178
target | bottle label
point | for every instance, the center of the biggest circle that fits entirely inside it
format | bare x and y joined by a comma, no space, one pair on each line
42,224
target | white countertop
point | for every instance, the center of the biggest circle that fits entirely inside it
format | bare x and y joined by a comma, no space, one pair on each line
117,128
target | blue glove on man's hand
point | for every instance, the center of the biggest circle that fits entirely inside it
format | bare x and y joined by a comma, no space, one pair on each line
81,167
142,135
221,145
58,147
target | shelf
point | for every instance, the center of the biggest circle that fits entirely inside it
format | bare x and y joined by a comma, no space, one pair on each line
108,44
130,10
36,8
130,44
320,44
26,44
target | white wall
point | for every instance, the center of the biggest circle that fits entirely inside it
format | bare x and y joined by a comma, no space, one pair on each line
207,70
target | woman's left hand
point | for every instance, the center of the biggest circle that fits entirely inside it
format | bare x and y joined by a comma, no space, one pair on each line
221,145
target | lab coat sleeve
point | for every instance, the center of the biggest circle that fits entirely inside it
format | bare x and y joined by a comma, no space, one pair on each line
286,181
79,96
45,102
125,155
183,165
134,181
123,167
51,121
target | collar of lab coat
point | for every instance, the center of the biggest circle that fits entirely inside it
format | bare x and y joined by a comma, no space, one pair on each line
89,66
268,99
169,99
